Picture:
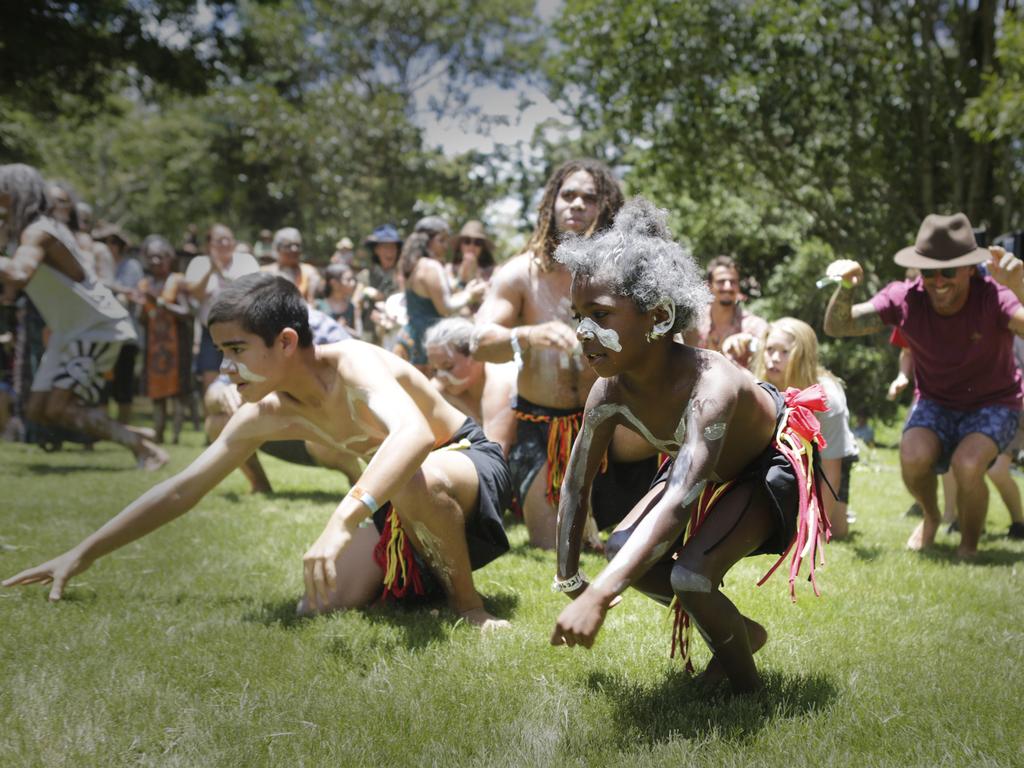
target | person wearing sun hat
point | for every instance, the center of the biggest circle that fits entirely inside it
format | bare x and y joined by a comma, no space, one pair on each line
344,252
474,254
378,281
959,325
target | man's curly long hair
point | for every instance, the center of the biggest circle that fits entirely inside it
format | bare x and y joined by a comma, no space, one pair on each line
545,237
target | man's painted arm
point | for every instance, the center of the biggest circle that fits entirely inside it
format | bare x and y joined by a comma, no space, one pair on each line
844,318
495,321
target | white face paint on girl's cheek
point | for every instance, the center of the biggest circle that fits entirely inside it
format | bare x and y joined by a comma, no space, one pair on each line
249,376
606,337
454,381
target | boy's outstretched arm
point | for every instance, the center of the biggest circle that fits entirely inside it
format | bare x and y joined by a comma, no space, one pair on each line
156,507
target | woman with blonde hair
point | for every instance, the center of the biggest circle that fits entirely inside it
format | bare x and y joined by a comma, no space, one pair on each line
789,358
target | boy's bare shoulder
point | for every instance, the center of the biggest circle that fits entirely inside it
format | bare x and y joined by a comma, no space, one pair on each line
259,420
351,356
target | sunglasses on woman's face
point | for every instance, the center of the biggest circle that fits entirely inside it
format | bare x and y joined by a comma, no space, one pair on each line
478,242
947,272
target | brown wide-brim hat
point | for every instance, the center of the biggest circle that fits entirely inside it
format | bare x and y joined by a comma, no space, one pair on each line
475,229
943,241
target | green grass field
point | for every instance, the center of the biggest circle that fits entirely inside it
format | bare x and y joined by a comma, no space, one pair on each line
182,649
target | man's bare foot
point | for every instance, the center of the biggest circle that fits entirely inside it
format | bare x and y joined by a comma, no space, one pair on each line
714,673
966,554
484,621
150,456
924,535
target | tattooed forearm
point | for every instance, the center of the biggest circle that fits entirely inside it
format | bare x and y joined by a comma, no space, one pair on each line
843,318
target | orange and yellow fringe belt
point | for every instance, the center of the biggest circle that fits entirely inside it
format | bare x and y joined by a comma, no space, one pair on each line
562,432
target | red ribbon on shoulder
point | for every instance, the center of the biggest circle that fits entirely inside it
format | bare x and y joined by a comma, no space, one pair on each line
802,404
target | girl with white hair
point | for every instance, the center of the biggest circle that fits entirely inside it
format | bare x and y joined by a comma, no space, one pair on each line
740,476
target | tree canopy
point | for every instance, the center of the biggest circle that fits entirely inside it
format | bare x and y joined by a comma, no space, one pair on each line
785,132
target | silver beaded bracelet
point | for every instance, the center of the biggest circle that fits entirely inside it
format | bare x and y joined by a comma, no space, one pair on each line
568,585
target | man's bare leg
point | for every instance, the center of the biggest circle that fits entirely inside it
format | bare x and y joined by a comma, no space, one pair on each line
969,464
330,458
251,467
999,474
59,407
160,418
540,518
919,450
124,413
538,514
949,513
431,508
179,404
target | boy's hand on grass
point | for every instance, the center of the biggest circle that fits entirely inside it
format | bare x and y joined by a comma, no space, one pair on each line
58,570
319,567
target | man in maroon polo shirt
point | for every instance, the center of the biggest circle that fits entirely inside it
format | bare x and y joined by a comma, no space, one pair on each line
959,324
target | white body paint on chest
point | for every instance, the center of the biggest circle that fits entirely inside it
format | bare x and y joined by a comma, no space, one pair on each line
606,337
593,419
365,430
596,416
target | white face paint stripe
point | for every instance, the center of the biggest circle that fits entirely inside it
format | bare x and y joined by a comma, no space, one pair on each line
247,375
455,381
606,337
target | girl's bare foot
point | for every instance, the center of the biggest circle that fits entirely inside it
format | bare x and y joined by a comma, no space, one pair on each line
714,673
924,535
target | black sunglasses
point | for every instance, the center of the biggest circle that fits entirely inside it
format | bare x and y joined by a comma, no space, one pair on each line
478,242
947,272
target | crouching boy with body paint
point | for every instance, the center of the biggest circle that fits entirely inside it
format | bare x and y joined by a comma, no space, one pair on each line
434,486
740,480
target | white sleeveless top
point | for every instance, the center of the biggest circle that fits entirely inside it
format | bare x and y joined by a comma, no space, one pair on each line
86,310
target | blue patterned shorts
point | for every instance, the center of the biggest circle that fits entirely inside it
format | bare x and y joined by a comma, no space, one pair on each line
997,422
